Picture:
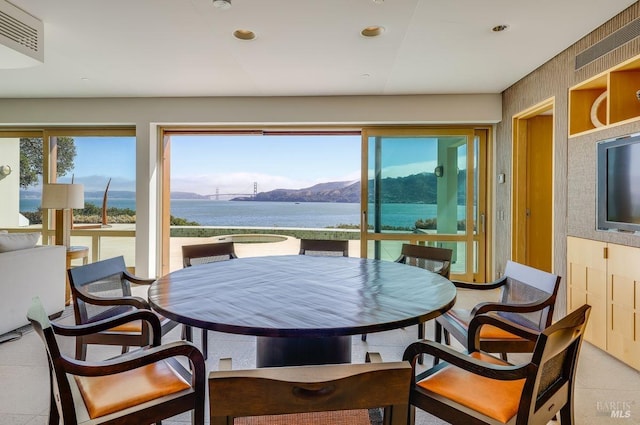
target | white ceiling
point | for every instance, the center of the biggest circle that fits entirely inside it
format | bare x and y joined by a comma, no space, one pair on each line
116,48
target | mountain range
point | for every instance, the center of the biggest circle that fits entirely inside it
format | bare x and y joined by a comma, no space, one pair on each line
416,188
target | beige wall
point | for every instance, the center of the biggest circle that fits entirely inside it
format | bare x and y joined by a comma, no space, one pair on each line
574,159
149,113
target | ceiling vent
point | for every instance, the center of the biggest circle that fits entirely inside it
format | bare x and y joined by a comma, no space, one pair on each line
21,38
609,43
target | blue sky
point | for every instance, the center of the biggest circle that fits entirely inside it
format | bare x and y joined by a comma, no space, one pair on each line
232,163
229,163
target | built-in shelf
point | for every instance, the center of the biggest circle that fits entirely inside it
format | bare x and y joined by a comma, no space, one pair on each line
610,98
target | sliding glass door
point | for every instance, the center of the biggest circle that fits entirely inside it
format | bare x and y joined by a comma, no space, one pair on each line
425,186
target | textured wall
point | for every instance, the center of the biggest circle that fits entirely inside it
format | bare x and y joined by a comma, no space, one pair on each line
574,159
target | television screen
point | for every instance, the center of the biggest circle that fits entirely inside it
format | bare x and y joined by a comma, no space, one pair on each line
618,203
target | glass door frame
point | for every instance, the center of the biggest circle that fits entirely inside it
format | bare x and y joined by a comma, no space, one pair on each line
479,238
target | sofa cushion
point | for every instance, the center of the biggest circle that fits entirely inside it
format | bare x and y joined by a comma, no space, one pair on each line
16,241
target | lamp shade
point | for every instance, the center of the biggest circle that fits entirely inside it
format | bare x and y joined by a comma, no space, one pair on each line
59,196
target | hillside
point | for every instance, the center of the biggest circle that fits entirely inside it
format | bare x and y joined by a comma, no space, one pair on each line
416,188
322,192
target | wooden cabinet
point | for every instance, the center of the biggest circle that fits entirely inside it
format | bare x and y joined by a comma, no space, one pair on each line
587,284
607,277
607,99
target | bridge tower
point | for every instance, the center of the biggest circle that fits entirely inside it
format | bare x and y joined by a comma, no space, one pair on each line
255,189
217,193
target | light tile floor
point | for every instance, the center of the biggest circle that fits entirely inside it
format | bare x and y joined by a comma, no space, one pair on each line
24,387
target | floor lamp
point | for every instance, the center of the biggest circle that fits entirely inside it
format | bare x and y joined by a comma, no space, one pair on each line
63,198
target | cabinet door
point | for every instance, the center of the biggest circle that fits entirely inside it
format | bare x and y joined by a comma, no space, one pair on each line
623,269
587,284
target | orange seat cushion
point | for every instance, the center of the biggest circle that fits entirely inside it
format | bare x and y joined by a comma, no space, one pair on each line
491,397
486,331
111,393
133,327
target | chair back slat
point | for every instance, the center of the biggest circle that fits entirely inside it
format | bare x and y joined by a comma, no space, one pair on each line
556,357
526,285
207,253
105,278
60,386
435,259
301,389
324,248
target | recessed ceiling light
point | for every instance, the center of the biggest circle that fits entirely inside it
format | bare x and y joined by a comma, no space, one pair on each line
378,1
222,4
244,34
500,28
372,31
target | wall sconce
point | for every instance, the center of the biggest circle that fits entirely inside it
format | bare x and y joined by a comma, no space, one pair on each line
5,170
439,171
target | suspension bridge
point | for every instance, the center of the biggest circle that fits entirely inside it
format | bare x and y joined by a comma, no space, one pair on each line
226,194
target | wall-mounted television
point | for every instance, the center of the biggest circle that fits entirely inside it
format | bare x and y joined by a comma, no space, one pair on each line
618,184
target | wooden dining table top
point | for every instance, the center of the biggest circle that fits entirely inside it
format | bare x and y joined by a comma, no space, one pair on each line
301,296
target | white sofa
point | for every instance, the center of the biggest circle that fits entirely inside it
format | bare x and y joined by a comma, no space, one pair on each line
26,273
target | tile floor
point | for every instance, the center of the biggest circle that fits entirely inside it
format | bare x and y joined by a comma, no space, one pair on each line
24,388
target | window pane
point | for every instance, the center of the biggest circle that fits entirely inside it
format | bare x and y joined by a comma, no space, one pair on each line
417,184
291,185
106,166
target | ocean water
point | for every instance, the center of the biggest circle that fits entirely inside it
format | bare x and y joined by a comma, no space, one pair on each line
276,214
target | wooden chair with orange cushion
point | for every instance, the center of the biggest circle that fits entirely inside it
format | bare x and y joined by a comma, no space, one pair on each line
528,298
141,387
326,248
101,290
322,394
477,388
193,255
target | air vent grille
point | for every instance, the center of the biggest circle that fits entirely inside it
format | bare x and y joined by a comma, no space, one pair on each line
21,38
609,43
19,32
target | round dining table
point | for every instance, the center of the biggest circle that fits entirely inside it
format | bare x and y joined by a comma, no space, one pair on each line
303,309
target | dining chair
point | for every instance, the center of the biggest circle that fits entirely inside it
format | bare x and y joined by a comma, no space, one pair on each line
101,290
528,298
434,259
331,393
478,388
140,387
193,255
324,247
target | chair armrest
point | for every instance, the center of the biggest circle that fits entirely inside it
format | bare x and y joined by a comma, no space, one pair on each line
137,280
105,324
463,361
473,334
141,358
131,300
512,308
401,259
480,286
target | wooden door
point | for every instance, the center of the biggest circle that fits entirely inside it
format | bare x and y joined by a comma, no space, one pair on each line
539,209
532,231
